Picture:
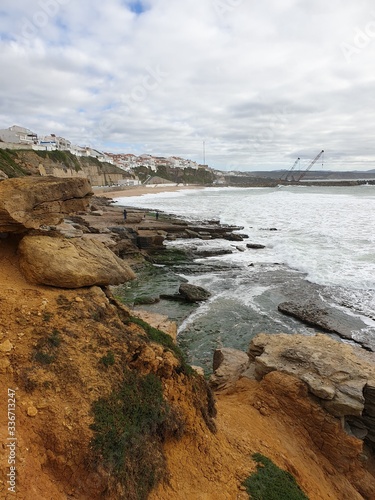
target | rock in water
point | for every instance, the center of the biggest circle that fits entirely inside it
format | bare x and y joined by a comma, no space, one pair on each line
193,293
70,263
30,202
315,312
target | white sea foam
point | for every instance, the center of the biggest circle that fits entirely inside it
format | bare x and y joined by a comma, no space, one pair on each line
327,233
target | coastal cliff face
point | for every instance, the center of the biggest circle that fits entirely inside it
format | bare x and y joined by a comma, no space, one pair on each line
67,352
61,164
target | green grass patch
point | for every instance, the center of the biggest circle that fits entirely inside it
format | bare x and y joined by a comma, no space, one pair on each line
108,360
54,339
129,427
8,164
166,341
171,256
47,348
270,482
44,358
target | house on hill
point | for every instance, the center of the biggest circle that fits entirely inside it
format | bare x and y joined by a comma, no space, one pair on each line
18,135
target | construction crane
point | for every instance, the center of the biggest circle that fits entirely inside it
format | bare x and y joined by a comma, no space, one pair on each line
290,171
302,175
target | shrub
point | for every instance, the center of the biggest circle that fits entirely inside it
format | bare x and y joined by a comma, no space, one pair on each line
108,360
46,348
270,482
54,339
129,428
44,358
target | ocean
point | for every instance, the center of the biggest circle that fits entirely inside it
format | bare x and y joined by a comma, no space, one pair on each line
318,241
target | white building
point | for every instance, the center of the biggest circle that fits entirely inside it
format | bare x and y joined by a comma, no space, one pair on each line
18,135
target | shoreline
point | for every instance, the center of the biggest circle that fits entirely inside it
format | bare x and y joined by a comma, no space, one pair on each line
130,191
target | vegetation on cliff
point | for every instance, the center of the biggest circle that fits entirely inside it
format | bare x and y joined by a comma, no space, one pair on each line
179,176
9,166
130,427
64,157
269,482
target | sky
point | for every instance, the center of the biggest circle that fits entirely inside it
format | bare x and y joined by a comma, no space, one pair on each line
252,84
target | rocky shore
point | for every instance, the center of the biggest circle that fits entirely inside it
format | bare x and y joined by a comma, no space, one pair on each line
67,345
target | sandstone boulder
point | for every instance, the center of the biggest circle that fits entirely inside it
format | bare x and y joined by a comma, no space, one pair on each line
330,369
31,202
72,263
228,365
339,376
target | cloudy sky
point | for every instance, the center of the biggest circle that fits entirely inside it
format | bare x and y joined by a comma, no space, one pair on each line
261,83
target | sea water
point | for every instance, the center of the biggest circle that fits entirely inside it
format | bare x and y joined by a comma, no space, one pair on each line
317,239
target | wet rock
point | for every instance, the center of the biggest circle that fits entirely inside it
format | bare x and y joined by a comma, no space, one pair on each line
150,240
193,293
316,313
255,246
233,237
212,252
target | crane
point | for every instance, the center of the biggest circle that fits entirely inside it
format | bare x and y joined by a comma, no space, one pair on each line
311,164
291,170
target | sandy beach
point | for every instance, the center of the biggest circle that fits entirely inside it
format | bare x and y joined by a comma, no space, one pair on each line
117,192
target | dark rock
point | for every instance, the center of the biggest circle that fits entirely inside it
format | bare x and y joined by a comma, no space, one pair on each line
124,248
233,237
176,296
149,240
255,246
193,293
212,252
316,313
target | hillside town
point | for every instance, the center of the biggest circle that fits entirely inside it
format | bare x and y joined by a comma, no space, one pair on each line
16,137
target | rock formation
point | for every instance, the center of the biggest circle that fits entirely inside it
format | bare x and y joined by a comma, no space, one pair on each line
228,365
314,312
31,202
333,372
72,263
193,293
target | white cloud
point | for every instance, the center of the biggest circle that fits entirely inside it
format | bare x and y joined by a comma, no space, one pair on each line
260,82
